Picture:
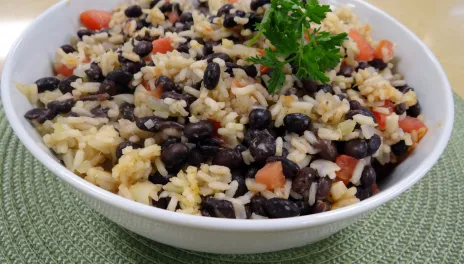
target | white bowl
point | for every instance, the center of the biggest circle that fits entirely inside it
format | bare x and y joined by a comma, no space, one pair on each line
31,58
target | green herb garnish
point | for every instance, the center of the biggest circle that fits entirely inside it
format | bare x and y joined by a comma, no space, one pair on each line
286,24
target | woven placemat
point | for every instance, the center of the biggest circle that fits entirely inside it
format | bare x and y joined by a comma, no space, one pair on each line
41,221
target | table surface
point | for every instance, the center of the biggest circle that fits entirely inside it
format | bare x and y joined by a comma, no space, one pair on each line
439,24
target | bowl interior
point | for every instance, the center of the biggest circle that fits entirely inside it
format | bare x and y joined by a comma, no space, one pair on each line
32,55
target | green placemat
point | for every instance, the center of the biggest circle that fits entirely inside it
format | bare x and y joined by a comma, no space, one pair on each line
41,221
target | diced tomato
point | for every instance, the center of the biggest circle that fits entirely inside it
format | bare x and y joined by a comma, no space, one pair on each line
63,70
173,17
381,119
409,124
216,125
347,165
261,52
272,175
263,69
384,50
366,52
156,93
232,1
162,45
389,105
95,19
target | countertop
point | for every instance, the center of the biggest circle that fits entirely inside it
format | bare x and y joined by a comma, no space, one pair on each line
440,24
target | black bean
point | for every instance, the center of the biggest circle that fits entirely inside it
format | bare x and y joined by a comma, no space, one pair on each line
198,131
363,193
290,168
48,114
253,20
346,70
240,148
228,158
209,45
304,207
400,108
378,64
124,145
94,72
119,77
153,3
85,32
251,70
183,47
61,107
250,134
400,148
362,65
225,9
327,149
169,141
162,203
127,111
363,111
175,154
186,17
176,8
303,180
297,123
218,208
404,89
219,55
68,49
195,158
255,4
36,113
323,187
373,144
368,176
320,207
260,118
309,86
355,105
167,7
143,48
414,110
262,147
65,84
47,84
212,75
327,88
229,21
240,13
133,11
343,96
100,112
132,67
189,99
166,84
242,188
208,150
356,148
211,19
172,95
108,87
251,172
257,204
153,123
281,208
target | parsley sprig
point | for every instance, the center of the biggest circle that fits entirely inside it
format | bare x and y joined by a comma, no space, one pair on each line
287,25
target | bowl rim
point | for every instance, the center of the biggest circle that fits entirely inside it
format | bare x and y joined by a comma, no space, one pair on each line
208,223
